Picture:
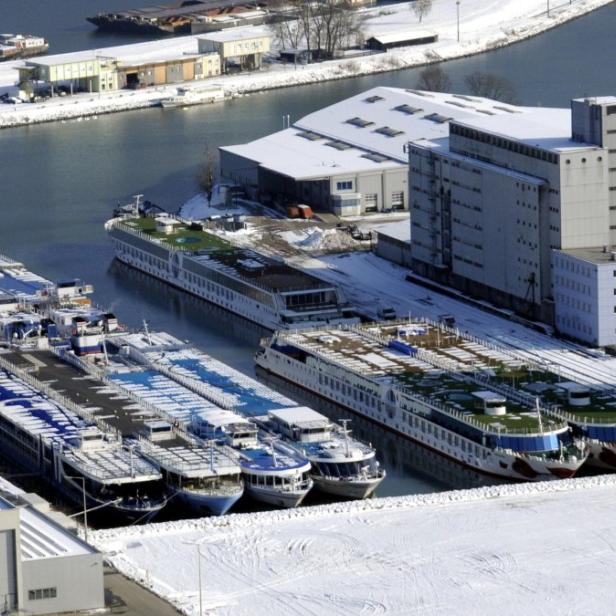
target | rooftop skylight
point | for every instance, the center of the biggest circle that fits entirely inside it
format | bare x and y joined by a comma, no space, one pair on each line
339,145
436,117
359,122
377,158
373,99
408,109
388,131
306,134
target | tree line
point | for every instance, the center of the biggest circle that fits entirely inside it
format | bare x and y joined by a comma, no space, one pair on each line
487,85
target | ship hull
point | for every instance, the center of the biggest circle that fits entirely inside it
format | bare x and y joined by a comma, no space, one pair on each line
512,466
341,488
209,503
285,499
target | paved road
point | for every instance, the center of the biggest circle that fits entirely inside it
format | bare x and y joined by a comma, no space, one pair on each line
125,597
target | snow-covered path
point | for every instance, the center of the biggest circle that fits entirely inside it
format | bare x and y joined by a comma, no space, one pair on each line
484,25
547,549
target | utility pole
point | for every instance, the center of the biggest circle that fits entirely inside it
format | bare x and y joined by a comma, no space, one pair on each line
458,17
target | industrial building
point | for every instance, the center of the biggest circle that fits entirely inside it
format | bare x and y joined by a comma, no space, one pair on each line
153,63
349,158
520,209
393,242
44,568
402,38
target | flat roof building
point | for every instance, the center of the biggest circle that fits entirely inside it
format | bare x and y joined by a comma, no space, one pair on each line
44,568
503,205
350,157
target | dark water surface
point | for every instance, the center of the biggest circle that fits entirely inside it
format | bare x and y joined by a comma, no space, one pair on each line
59,182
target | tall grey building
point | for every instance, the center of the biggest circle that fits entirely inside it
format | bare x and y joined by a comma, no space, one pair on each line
494,202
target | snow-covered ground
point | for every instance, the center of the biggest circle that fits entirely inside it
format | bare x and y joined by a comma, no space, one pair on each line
545,548
484,25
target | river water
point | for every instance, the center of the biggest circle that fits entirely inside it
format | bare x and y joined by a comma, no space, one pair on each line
59,182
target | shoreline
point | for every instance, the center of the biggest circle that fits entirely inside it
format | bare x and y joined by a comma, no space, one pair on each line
85,106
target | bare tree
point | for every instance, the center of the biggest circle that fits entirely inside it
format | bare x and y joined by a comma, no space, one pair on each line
207,172
435,79
491,86
421,8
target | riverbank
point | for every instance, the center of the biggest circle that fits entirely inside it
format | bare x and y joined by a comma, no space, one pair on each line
484,25
543,548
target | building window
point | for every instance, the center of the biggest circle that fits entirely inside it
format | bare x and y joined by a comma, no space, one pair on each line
42,593
345,185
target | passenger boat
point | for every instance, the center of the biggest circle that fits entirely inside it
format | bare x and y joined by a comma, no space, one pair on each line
74,454
275,476
252,285
433,385
203,476
341,465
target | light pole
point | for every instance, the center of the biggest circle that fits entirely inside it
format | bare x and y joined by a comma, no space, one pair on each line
199,574
458,17
85,508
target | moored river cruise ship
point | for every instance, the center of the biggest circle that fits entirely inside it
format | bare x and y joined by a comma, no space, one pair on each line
261,289
450,393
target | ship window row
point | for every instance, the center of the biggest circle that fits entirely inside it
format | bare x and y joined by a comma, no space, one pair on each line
348,390
226,281
444,435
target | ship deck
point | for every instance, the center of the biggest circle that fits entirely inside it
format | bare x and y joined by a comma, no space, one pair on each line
120,412
24,406
206,247
442,366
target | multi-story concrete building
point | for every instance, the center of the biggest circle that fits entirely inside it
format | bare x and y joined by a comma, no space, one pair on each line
495,202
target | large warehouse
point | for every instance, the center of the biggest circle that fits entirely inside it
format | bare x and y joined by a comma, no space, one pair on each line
349,158
45,569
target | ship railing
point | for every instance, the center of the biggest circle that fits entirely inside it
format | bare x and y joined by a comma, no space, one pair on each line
475,423
57,397
222,400
580,419
453,368
219,460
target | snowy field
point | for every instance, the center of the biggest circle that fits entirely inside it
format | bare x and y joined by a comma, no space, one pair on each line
484,25
545,549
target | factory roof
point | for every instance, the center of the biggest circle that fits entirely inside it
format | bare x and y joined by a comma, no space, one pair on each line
367,132
401,36
542,127
398,230
149,52
236,34
41,538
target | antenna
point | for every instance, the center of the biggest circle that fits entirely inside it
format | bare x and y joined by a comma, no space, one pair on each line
538,408
147,333
346,432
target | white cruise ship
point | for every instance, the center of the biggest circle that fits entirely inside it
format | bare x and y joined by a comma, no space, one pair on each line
432,385
254,286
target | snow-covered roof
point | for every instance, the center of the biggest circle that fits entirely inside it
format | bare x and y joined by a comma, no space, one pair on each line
398,230
236,34
41,538
401,36
135,54
300,416
543,127
377,122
